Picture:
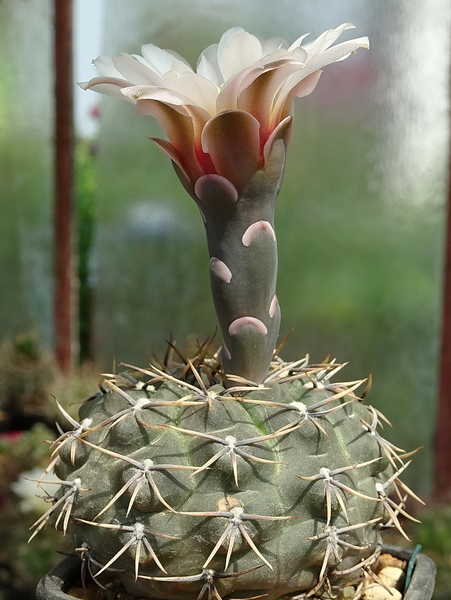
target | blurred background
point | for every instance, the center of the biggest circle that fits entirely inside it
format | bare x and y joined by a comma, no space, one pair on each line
360,217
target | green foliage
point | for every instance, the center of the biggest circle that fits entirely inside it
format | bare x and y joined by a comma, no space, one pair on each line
434,531
434,535
86,207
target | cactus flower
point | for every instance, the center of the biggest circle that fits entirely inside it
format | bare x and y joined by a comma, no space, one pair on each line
228,125
224,117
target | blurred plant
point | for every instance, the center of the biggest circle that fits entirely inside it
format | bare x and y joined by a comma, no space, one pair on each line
434,531
20,451
86,191
22,454
25,489
434,535
19,564
26,373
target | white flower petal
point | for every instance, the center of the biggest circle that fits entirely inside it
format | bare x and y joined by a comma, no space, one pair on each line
336,53
109,86
176,66
326,39
134,70
180,66
257,97
331,55
105,66
228,35
231,90
159,60
298,42
201,91
271,45
238,53
169,96
208,67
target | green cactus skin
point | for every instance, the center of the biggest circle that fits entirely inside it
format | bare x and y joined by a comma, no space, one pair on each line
176,490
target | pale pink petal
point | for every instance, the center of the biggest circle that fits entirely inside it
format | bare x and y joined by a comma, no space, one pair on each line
179,102
133,70
326,39
163,94
109,86
282,55
307,85
275,151
105,66
180,132
331,55
336,53
282,131
231,90
302,89
298,42
233,143
186,182
299,55
230,34
230,96
168,149
258,97
238,53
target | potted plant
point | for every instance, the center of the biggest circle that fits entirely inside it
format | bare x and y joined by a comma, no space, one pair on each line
235,474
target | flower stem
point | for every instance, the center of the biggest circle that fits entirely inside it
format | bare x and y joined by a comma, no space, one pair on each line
243,269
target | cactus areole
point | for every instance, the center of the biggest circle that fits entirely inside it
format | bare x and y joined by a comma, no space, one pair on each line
236,475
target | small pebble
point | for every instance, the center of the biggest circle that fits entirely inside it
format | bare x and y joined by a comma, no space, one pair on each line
374,591
347,593
392,577
387,560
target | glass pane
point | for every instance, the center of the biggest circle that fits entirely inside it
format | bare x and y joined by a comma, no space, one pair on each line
360,213
25,167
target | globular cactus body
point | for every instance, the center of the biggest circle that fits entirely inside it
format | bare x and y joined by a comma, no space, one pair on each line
175,493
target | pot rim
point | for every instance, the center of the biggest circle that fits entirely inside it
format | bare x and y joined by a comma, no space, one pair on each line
55,584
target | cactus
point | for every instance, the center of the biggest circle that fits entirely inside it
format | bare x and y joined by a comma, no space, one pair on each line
174,486
232,475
